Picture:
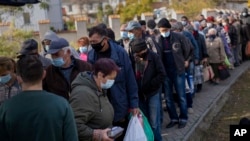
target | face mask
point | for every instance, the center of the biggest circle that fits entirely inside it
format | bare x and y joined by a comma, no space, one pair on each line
244,14
131,36
209,24
5,79
46,48
212,37
83,49
165,34
58,62
124,34
98,46
143,55
183,23
224,24
108,84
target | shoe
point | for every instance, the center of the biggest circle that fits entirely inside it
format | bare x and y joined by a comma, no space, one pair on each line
171,124
190,110
182,125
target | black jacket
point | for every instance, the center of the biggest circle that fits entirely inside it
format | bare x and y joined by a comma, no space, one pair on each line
180,47
153,75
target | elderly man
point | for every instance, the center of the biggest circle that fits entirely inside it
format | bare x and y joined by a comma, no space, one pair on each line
123,95
30,47
64,68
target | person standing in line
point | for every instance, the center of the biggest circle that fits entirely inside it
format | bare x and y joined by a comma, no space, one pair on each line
123,95
34,114
8,81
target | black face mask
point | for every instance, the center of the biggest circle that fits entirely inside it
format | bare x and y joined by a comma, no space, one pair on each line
143,55
98,46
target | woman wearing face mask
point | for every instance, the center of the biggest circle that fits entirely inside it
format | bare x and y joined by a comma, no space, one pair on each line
83,44
8,82
93,111
216,53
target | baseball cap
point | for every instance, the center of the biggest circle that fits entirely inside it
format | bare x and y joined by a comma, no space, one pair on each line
28,46
132,25
57,45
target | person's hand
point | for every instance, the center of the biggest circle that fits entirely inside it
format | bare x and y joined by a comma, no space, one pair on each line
104,135
186,64
135,111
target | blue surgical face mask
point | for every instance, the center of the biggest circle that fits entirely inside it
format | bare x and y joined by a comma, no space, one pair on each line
58,62
131,36
83,49
108,84
124,34
165,34
5,79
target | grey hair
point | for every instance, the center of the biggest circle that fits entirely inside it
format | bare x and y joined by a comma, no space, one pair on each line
212,31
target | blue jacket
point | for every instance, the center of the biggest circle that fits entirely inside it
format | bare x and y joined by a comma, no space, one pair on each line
194,43
124,93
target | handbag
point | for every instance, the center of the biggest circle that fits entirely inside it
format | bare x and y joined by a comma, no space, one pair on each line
208,73
223,72
247,50
198,74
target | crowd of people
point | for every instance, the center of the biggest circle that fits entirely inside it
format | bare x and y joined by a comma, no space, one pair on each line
80,94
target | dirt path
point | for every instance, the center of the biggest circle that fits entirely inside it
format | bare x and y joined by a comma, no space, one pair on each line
237,106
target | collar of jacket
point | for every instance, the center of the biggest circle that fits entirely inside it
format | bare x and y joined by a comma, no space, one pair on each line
114,55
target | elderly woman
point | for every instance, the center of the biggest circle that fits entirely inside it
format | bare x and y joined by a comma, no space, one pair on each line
216,52
8,81
83,44
93,111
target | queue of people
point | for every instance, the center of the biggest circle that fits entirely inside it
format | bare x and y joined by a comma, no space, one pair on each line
81,94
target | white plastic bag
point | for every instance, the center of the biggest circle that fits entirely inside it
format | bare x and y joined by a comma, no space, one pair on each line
135,131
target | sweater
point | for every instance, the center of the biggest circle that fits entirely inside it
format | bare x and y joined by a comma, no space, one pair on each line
37,116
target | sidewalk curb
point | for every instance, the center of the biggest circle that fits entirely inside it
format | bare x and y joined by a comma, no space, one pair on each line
205,120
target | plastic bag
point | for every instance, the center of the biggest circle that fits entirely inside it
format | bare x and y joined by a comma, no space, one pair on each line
135,131
147,128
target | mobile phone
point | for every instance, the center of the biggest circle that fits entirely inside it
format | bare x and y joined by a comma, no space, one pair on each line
115,132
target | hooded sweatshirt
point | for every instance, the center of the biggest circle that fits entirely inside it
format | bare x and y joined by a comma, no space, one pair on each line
91,107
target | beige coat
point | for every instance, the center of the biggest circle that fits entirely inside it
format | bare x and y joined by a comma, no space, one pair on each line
215,50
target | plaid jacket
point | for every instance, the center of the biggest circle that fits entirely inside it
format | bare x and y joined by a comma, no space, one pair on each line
7,92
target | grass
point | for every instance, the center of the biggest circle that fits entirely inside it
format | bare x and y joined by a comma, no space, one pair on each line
237,106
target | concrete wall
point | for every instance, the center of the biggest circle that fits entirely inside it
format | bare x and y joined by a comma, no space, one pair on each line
114,23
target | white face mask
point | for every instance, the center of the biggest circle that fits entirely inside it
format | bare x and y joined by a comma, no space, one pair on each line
109,83
209,24
224,24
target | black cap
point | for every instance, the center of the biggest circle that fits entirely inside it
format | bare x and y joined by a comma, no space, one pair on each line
164,23
138,45
142,22
151,24
28,46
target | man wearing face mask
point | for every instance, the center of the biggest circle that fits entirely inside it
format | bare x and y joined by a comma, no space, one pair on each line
210,24
124,41
150,74
48,37
63,70
123,95
9,86
175,55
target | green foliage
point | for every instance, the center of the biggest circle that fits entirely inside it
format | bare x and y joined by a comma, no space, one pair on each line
100,14
191,8
108,10
70,25
133,8
11,40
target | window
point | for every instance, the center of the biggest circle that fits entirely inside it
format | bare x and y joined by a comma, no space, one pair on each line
70,8
26,18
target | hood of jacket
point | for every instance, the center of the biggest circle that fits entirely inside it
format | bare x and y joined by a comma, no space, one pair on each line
84,79
50,35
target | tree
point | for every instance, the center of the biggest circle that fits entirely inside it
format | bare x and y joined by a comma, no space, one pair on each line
11,40
133,8
191,7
